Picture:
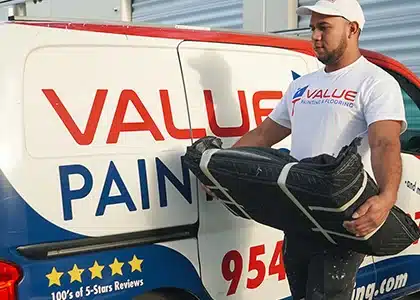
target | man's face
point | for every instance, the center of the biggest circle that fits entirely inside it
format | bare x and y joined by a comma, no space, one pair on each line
329,37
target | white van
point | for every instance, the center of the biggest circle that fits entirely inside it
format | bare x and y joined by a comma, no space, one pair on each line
94,199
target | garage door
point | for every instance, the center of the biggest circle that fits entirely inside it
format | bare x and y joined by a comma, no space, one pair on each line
216,13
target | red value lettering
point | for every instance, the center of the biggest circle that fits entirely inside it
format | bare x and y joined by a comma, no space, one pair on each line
350,96
347,95
118,124
310,94
148,124
326,94
338,96
87,136
259,96
169,121
256,266
227,131
318,94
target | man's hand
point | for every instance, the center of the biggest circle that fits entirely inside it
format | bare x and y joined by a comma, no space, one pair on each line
387,167
370,215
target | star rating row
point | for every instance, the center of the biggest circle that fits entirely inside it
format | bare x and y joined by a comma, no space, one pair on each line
54,277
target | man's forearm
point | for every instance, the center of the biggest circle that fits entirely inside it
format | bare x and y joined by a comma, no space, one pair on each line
387,168
265,135
252,138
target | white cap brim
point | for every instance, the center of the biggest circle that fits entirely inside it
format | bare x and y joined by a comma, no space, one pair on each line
307,10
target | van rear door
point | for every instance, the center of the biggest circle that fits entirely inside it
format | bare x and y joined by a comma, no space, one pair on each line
91,161
231,89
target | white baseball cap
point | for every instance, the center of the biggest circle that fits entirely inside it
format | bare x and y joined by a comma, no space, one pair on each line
348,9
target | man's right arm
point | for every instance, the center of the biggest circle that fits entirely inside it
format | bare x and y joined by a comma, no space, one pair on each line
266,134
273,129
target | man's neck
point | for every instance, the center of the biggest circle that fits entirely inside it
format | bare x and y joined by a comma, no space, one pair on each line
343,62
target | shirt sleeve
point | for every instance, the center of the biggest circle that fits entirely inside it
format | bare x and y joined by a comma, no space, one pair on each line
384,101
280,113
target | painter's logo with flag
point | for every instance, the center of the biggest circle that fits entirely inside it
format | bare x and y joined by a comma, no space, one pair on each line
297,97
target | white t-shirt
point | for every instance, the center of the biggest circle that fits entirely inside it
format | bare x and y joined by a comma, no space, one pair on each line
326,111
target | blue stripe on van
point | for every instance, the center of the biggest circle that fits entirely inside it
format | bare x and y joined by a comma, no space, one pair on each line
118,274
21,225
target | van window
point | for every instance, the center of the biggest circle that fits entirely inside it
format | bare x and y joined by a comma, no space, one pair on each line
412,112
410,140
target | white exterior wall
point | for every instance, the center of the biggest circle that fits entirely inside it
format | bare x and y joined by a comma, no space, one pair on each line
86,9
3,14
269,15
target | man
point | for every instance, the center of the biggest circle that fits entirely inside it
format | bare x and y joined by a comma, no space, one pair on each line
347,98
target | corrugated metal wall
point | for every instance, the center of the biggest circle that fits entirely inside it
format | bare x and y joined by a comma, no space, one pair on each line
215,13
392,28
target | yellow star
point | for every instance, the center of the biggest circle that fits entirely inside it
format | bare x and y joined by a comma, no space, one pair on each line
135,264
116,267
96,270
54,277
76,274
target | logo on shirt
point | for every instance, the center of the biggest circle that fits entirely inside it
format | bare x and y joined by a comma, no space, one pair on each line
297,97
342,97
334,96
347,95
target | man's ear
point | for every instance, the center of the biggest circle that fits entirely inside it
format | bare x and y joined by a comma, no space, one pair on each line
354,29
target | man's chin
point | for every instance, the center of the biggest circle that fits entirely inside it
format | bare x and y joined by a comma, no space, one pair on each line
325,59
322,59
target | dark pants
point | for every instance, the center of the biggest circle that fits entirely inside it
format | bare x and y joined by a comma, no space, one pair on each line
319,271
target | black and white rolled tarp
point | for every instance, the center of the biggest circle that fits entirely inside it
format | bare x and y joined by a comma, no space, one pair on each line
312,196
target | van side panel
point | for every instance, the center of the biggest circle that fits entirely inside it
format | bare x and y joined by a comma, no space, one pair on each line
400,273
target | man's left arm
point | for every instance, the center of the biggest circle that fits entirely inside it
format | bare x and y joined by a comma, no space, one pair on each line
384,142
385,115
